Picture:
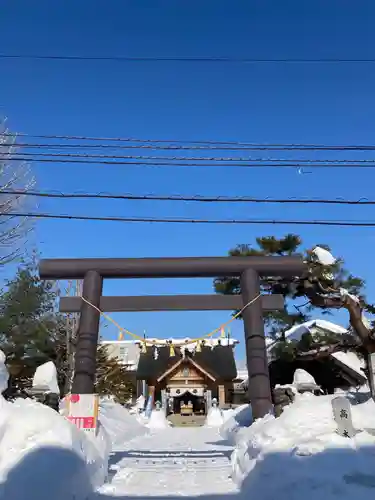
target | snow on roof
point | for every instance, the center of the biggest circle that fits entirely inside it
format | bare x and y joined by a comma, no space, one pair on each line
119,342
296,332
190,343
351,360
242,374
187,342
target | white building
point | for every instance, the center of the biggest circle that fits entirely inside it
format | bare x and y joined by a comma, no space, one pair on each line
126,351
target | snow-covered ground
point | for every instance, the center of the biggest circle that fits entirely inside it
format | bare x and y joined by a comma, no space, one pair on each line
175,461
300,456
43,455
119,424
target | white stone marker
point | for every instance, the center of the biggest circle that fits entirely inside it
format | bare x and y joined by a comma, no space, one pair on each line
343,417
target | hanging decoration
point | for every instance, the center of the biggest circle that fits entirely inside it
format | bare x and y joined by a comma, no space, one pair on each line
155,347
191,345
172,352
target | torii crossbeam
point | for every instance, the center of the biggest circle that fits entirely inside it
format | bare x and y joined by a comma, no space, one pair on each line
249,269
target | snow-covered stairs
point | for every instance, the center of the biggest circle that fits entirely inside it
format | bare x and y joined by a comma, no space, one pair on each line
172,462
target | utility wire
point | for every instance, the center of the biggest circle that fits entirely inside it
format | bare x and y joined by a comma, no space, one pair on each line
148,143
192,221
181,198
15,154
22,158
227,60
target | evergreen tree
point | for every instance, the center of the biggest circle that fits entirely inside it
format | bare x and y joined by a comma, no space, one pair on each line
112,378
297,308
32,331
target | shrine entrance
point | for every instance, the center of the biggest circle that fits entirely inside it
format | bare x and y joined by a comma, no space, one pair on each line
186,383
250,302
189,404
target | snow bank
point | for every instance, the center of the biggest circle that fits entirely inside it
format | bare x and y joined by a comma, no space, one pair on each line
215,418
140,403
240,417
4,375
158,420
119,424
46,377
42,455
46,451
304,456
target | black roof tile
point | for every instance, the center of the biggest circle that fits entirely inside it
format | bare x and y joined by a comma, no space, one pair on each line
217,361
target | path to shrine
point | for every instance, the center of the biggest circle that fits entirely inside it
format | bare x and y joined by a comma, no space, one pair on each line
176,461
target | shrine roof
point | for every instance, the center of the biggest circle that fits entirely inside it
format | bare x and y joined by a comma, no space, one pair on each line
217,361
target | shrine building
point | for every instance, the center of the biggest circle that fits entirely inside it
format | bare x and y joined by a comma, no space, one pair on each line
181,377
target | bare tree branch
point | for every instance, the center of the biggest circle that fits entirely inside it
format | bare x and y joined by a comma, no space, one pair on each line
17,176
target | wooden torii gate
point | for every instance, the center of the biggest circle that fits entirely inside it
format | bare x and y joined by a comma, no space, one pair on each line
249,269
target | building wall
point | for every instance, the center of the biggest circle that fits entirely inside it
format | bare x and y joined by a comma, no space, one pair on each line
126,351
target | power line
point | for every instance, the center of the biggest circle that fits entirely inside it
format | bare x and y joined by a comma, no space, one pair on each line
230,60
176,164
192,221
183,158
21,158
181,198
149,143
137,139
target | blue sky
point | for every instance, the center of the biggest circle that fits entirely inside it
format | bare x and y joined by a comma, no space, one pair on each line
265,102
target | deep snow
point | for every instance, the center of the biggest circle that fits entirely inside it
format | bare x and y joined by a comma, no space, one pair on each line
45,376
300,455
43,455
215,417
158,420
119,424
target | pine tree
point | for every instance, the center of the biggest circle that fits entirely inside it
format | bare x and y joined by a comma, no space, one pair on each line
32,331
297,308
112,378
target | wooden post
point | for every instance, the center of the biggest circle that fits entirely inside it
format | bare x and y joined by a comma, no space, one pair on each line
87,339
370,364
151,394
256,355
221,395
